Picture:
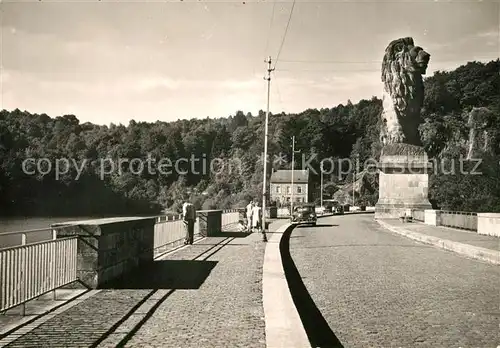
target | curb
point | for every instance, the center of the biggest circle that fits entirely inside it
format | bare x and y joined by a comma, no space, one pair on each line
283,324
478,253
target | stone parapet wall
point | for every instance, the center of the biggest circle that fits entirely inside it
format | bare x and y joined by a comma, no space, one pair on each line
488,224
432,217
110,248
210,222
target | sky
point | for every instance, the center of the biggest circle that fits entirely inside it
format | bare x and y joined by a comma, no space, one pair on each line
113,61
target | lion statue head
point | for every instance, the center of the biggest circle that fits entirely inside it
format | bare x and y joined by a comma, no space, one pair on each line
402,69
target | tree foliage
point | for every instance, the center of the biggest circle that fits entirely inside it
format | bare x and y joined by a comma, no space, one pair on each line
449,99
233,145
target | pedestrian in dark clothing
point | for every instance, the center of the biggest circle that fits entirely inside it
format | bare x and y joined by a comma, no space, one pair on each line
189,218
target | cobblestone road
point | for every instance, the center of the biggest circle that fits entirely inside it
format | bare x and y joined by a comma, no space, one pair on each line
377,289
215,301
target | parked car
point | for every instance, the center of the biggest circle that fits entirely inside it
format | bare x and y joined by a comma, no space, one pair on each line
337,208
304,214
327,208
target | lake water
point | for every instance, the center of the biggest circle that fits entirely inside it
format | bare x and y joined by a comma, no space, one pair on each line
10,224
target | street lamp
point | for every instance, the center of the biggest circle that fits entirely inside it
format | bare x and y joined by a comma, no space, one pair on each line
293,168
354,179
266,135
321,194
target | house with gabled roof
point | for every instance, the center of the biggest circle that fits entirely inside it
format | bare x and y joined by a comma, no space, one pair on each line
282,186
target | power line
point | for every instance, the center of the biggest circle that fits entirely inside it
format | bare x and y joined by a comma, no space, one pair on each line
284,35
331,61
270,27
278,91
332,70
437,65
309,62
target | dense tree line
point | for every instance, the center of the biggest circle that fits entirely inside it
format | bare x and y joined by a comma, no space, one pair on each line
177,156
450,98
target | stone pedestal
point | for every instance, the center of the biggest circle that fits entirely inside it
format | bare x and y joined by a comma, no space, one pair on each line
108,249
271,213
403,181
432,217
210,222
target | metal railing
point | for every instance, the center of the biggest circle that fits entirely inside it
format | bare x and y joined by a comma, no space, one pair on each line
459,219
283,212
32,270
35,262
455,219
170,232
230,217
17,238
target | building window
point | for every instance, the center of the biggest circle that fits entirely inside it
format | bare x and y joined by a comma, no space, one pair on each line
298,199
299,189
278,189
288,190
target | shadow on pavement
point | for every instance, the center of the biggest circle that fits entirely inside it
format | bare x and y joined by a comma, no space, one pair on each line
318,331
204,268
167,274
111,309
231,234
317,225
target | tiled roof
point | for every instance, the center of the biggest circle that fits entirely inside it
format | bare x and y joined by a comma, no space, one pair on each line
285,176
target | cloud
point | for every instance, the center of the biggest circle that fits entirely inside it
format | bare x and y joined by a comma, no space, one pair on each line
476,40
495,34
142,84
144,61
153,83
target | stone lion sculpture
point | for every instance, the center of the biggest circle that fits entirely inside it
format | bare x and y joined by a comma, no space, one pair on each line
402,69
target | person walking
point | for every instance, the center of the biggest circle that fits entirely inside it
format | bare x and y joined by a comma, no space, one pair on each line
189,218
249,211
257,217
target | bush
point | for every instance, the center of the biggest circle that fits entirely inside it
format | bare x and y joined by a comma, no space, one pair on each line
209,204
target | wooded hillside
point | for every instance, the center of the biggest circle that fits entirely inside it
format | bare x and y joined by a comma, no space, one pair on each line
343,131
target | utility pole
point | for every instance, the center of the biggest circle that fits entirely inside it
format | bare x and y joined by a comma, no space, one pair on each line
354,179
266,135
293,168
321,165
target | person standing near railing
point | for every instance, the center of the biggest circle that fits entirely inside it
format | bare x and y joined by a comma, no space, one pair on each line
249,211
189,218
257,217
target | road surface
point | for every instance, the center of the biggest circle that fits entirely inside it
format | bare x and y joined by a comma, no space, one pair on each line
377,289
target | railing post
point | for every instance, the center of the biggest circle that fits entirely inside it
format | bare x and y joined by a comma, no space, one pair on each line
23,276
54,264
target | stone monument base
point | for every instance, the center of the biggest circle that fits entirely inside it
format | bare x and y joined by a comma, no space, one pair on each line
403,181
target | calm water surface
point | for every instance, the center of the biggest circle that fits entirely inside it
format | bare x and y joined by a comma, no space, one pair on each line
10,224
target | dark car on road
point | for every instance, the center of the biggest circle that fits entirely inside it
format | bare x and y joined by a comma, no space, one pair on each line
338,209
304,214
